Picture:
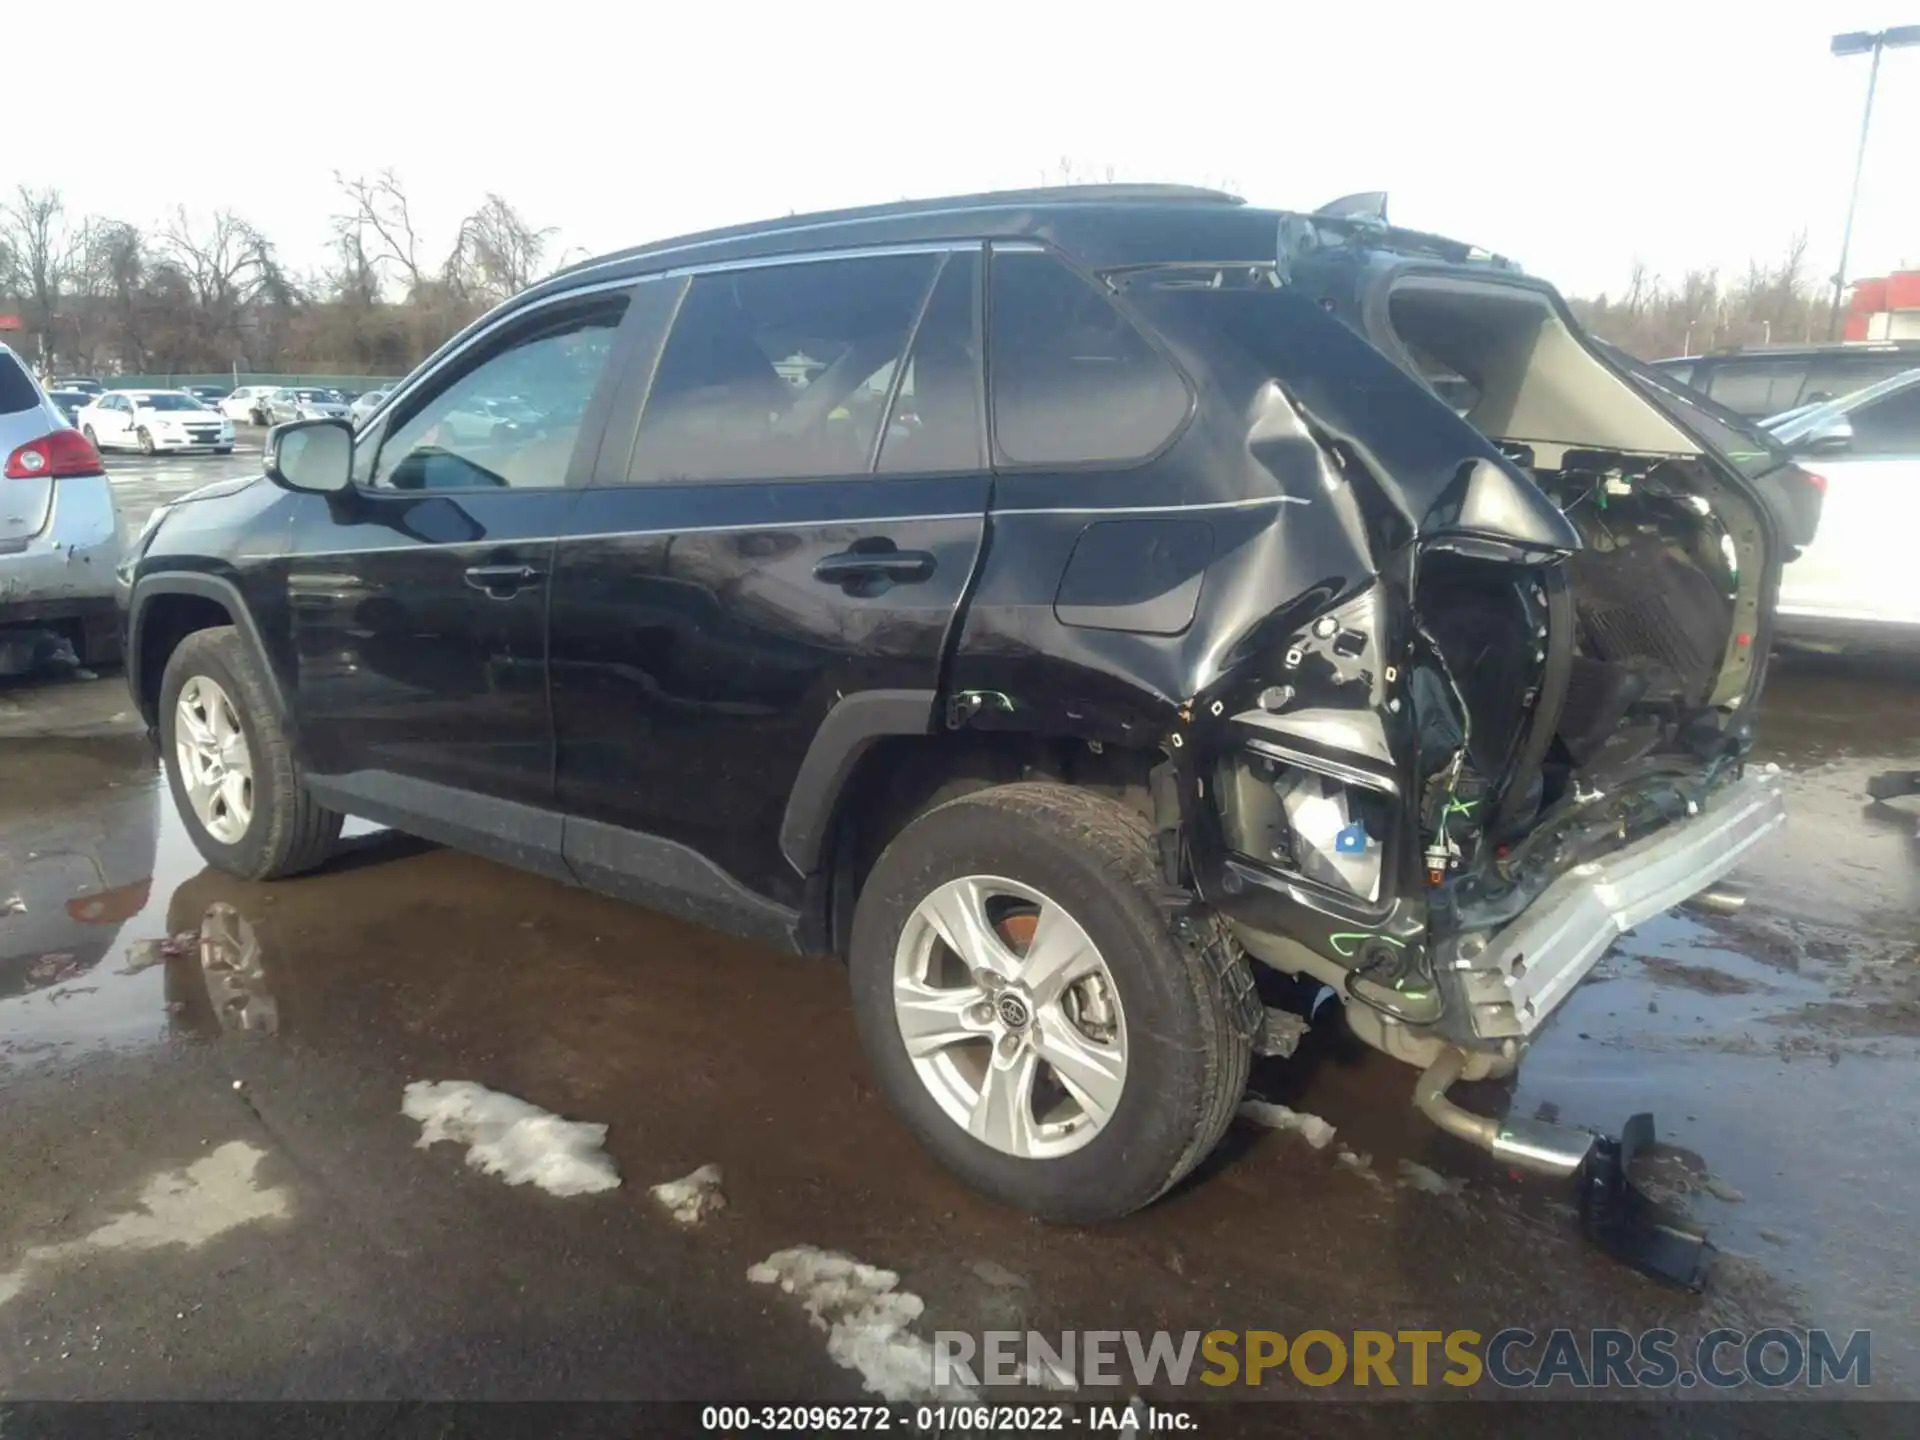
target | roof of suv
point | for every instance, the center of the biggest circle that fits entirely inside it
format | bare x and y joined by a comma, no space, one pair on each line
1102,226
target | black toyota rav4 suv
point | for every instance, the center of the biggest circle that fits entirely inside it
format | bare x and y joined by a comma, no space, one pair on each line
1059,604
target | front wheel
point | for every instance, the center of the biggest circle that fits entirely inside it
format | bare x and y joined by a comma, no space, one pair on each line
1030,1011
146,441
230,766
87,430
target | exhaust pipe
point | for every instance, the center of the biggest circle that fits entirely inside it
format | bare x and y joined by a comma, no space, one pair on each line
1721,899
1525,1144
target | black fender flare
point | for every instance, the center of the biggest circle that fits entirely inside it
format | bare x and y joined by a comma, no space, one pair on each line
207,587
849,730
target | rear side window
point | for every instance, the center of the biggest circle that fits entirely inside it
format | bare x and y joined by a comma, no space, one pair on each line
1073,382
782,372
17,391
1758,387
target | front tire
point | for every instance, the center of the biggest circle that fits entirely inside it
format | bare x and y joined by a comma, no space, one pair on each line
92,439
146,442
231,767
1031,1013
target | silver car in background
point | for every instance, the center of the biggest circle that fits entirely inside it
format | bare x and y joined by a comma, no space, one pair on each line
59,533
304,402
1856,583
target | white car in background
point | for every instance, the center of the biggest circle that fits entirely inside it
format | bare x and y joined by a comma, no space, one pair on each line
248,403
152,421
366,404
1855,584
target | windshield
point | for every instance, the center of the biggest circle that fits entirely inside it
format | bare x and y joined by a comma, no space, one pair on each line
1745,445
169,402
323,397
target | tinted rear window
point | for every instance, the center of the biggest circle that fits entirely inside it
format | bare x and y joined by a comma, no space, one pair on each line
1072,380
17,391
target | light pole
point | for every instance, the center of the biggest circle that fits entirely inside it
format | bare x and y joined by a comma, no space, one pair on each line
1862,42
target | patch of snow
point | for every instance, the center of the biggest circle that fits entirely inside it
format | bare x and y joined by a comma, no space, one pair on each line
1415,1176
1315,1131
865,1316
691,1199
508,1137
1361,1165
997,1275
189,1207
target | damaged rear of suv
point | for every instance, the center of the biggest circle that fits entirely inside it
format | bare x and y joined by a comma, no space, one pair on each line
1058,603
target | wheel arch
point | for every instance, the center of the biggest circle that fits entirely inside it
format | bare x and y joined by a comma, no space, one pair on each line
164,610
867,776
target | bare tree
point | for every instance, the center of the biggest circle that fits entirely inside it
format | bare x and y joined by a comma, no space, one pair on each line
379,208
38,248
497,254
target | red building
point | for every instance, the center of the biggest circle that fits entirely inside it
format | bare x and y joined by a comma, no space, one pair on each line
1887,308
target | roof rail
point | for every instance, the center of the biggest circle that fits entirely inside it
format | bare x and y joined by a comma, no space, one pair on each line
1135,193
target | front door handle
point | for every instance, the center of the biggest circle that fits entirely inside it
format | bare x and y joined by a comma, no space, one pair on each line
503,582
868,567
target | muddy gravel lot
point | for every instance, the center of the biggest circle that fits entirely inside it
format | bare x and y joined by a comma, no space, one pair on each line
208,1187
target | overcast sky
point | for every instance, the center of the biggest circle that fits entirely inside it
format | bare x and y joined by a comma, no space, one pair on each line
1570,136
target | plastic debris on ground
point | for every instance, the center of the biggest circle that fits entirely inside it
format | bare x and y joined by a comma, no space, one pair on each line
866,1317
508,1137
1315,1131
694,1197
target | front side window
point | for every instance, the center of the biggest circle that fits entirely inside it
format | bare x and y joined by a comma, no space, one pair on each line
1072,381
780,372
513,418
1887,426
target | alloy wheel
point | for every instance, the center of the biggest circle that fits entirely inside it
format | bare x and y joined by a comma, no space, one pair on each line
216,769
1010,1017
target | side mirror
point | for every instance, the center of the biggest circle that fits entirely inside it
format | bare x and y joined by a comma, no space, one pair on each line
1833,438
312,455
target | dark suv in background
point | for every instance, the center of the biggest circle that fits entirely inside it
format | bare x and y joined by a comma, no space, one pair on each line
1058,603
1778,378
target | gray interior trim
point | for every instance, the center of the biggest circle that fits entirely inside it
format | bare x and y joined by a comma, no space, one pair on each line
851,727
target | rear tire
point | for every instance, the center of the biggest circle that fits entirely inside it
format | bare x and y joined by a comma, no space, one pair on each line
1179,1029
286,829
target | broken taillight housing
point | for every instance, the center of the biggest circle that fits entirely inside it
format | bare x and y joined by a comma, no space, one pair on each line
1287,816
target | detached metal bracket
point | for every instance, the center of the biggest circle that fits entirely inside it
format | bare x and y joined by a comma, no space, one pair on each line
1630,1226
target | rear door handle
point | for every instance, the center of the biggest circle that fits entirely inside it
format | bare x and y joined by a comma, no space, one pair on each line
852,567
501,582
